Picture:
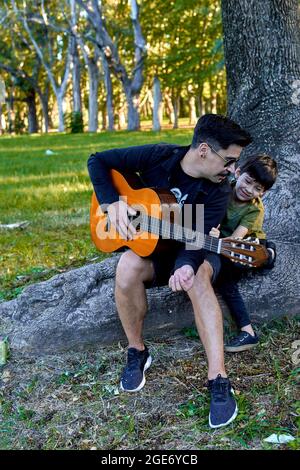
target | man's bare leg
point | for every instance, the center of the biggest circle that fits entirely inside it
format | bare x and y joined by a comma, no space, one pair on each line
209,321
130,295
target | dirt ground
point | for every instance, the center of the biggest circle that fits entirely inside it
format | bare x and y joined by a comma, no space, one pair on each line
73,401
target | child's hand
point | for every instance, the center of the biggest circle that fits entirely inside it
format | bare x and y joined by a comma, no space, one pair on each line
215,232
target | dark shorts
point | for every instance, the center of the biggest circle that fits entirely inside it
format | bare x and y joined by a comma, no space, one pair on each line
164,263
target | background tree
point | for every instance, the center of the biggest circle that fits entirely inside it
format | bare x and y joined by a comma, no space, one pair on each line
49,48
133,83
184,53
262,53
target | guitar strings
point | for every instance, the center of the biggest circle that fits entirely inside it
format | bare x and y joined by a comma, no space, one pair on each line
174,231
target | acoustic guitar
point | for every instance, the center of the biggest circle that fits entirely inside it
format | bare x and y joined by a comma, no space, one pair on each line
157,228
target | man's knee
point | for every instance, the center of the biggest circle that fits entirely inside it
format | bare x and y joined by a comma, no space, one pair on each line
202,279
132,268
205,272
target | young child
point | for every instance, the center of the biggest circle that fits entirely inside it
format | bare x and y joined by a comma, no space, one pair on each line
244,218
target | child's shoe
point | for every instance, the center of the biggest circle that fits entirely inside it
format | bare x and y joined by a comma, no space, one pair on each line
242,342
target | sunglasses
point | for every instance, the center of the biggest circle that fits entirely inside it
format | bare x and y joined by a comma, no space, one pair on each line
228,160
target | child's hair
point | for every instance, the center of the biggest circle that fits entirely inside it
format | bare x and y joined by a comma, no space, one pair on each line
262,168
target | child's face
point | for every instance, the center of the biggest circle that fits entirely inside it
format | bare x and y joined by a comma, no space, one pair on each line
246,187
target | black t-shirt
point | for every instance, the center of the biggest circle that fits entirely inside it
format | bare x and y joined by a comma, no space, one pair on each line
183,186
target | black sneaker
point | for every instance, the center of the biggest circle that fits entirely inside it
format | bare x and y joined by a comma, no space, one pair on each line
223,407
242,342
133,377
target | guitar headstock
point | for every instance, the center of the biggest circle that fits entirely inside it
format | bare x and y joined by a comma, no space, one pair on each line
246,251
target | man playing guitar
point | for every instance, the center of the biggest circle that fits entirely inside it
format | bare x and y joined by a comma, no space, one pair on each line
196,174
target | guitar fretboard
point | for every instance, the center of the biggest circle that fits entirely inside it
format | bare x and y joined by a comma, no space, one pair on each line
172,231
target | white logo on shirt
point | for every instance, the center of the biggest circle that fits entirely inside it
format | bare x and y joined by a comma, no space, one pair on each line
179,197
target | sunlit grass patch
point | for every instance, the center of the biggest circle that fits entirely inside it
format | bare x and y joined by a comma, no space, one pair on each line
53,192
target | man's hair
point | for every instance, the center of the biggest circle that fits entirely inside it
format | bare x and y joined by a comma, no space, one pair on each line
220,132
262,168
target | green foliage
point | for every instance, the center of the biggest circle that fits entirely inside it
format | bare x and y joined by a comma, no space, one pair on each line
74,122
184,49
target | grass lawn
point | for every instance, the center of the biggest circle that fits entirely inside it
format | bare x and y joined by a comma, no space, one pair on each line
53,193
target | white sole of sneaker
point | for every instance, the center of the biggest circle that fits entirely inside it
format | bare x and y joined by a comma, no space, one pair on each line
214,426
246,347
146,366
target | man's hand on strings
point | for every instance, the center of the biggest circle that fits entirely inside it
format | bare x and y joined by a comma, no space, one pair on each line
118,213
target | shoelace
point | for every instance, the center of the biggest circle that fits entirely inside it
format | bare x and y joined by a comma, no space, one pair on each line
133,359
239,339
219,389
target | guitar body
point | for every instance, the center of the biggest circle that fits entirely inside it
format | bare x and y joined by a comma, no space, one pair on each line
148,200
157,226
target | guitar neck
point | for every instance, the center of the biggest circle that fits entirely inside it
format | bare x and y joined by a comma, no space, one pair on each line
172,231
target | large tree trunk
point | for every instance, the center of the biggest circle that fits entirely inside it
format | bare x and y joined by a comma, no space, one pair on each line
76,310
262,54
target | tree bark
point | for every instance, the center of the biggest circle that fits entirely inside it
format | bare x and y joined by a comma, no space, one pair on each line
1,126
60,108
169,107
200,101
121,114
262,55
103,117
11,111
76,310
91,62
93,74
157,105
192,111
45,109
176,106
77,103
133,114
109,94
213,97
32,117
